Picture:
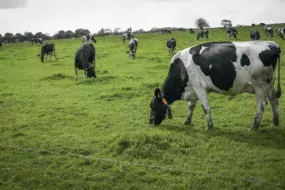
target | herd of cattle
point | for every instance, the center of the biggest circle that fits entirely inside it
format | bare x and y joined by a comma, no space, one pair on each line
228,68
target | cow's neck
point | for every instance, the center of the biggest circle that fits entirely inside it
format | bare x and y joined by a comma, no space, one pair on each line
170,98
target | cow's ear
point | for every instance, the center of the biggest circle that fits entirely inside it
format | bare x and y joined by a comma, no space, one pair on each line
157,93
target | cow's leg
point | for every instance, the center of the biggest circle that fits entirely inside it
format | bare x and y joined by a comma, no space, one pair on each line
274,104
85,72
76,73
261,102
50,56
46,56
191,106
54,55
202,95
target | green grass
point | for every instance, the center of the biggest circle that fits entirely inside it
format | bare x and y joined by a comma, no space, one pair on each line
95,134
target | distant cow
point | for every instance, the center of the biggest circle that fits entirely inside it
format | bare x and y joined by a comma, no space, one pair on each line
126,36
262,24
228,68
85,60
171,45
166,31
269,30
191,31
37,40
255,35
253,25
202,33
133,46
232,32
281,33
88,38
47,49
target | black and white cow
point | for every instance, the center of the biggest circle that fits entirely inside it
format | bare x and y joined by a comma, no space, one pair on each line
255,35
191,31
47,49
88,38
0,43
85,60
232,32
171,45
281,33
126,36
228,68
37,40
133,46
165,31
269,30
202,33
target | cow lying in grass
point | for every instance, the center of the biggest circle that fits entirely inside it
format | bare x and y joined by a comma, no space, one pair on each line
228,68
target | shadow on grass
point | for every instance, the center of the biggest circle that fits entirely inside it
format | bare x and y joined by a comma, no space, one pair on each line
272,137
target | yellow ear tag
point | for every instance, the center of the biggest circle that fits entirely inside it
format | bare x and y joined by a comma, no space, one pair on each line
164,101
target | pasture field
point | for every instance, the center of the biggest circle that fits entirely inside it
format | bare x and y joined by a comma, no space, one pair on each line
57,133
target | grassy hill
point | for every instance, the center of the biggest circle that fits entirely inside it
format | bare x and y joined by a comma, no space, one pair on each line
57,133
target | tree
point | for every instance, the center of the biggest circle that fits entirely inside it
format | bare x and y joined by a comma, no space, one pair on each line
86,32
117,30
79,32
226,22
8,35
201,22
69,34
39,35
28,35
60,34
1,36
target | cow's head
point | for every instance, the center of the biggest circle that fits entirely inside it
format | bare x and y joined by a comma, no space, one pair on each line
91,72
41,57
158,107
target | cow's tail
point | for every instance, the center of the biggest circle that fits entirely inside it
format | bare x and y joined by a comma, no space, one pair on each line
278,93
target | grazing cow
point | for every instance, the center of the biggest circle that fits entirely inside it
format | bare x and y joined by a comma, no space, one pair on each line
133,46
269,31
253,25
165,31
255,35
232,32
126,36
202,33
262,24
281,33
171,45
228,68
37,40
47,49
191,31
85,60
88,38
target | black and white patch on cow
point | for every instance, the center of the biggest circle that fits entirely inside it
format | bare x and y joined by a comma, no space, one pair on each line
88,38
281,33
269,31
133,46
228,68
171,45
254,35
85,60
47,49
166,31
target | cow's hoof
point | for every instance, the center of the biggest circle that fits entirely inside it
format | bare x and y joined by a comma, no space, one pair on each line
170,117
253,129
275,121
187,122
209,128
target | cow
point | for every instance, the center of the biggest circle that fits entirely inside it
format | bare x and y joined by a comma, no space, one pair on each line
0,43
228,68
85,60
255,35
202,33
126,36
165,31
88,38
262,24
133,46
191,31
171,45
253,25
281,33
269,31
37,40
47,49
232,32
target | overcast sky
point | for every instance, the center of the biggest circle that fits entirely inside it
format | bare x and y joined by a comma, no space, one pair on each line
49,16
